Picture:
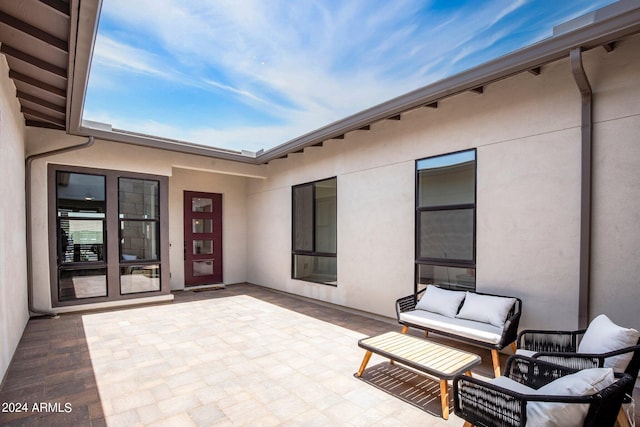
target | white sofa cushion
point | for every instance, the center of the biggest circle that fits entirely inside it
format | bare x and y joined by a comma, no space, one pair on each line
603,336
484,332
486,308
555,414
442,301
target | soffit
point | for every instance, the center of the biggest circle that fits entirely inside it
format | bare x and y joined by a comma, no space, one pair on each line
34,37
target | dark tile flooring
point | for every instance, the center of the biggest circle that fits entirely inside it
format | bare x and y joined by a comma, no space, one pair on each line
50,381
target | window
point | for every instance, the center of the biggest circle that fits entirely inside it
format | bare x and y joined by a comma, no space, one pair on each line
81,227
139,217
108,233
445,221
314,235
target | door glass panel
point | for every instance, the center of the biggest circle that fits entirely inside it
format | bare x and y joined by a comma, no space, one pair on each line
202,247
139,278
138,198
203,268
85,283
199,204
139,240
202,225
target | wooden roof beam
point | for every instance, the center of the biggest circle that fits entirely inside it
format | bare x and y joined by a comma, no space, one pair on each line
46,104
60,6
36,62
34,32
37,83
43,116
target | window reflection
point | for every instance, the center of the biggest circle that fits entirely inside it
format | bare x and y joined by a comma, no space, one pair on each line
202,225
81,207
203,268
79,284
202,247
138,198
139,278
199,204
139,240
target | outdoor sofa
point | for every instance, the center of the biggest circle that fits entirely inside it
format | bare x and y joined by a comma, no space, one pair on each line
486,320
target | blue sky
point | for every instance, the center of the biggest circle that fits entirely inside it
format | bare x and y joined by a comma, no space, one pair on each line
253,74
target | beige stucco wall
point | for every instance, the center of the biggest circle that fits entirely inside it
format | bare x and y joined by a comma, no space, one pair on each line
616,184
527,133
13,267
526,130
191,173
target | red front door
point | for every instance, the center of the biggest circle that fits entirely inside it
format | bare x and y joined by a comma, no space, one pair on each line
202,238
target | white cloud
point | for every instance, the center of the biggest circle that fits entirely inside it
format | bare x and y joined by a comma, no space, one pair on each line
113,54
306,63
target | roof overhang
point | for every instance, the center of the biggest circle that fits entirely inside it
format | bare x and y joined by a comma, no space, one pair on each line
34,38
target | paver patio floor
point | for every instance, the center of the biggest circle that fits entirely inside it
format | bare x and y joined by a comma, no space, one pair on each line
240,356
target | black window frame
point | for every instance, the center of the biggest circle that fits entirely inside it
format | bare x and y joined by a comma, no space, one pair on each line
112,236
444,262
313,252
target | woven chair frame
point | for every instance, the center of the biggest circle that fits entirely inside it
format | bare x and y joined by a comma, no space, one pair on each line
485,404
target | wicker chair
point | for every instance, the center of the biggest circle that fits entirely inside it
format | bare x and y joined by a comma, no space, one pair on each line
481,403
560,348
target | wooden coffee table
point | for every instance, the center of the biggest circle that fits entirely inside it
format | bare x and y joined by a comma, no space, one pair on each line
423,355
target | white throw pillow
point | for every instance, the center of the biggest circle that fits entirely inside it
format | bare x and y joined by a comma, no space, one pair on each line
554,414
603,336
486,308
440,301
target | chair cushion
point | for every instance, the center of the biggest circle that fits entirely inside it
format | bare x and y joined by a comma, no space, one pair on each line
556,414
486,308
603,336
465,328
523,352
509,384
442,301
